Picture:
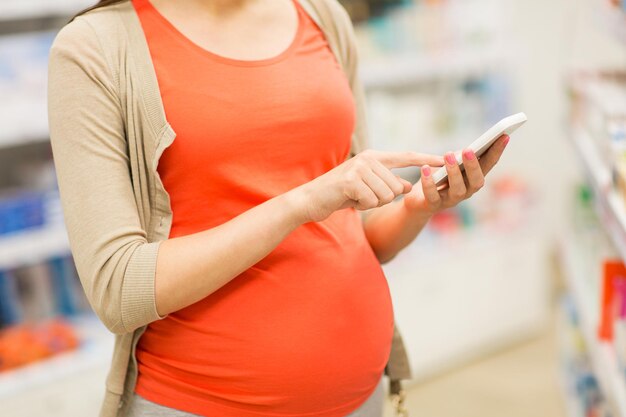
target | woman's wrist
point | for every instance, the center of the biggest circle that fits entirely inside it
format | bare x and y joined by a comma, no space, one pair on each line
417,212
295,203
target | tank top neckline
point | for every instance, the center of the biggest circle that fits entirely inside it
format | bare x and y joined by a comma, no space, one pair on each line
184,40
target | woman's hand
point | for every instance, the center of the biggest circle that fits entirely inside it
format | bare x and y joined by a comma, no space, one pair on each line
427,198
362,182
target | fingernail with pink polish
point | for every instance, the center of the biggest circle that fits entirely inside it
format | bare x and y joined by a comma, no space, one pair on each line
468,154
426,171
450,159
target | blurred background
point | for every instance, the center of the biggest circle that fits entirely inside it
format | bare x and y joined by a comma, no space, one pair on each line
512,304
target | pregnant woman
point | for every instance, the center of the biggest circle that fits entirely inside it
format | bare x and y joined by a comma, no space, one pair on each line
212,166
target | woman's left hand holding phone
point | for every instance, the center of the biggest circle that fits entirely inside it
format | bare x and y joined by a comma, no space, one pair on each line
391,228
429,198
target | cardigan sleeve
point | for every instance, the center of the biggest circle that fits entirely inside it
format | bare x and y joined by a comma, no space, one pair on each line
361,136
350,57
115,262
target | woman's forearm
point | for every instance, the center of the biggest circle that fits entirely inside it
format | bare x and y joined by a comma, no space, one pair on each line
191,267
390,228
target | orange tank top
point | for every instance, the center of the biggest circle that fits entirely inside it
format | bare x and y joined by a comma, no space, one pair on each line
307,330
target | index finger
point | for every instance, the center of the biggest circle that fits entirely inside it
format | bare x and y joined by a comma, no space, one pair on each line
408,159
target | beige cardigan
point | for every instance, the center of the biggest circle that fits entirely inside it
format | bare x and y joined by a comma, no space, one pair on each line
108,130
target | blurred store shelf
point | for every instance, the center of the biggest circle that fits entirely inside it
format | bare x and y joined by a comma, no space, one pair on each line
571,403
34,245
609,204
602,354
17,133
95,351
399,70
36,9
23,85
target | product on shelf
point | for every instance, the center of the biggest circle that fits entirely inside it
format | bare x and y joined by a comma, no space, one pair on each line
619,323
20,210
584,216
598,108
592,252
36,303
582,390
612,272
597,281
30,342
35,291
67,291
23,78
24,209
612,326
10,310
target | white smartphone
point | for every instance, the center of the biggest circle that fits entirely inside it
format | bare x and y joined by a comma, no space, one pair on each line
507,125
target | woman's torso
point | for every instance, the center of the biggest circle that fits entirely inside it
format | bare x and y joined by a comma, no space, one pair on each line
307,330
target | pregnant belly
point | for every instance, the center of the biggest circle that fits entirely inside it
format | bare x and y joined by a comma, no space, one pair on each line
293,334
